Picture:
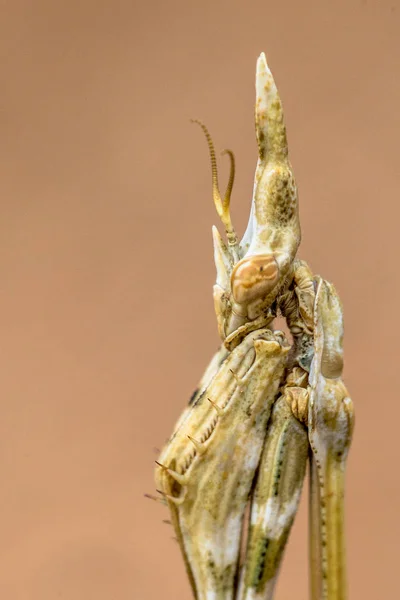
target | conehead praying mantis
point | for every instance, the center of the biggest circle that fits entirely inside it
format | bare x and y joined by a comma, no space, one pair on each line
264,407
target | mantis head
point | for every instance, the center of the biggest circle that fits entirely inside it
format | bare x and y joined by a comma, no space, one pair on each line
251,273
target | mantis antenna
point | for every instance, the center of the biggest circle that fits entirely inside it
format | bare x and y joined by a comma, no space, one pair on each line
222,205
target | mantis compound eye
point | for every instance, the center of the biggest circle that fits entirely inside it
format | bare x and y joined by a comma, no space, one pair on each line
254,277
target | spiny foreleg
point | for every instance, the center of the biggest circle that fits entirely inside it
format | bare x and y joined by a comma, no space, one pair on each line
277,492
207,468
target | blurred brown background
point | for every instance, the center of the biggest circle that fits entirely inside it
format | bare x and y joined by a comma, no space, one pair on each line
106,266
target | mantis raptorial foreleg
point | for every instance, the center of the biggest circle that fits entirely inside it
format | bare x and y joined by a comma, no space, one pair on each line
282,467
212,458
274,501
262,407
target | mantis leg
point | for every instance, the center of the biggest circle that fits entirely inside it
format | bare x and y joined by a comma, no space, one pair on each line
330,427
206,470
314,524
275,497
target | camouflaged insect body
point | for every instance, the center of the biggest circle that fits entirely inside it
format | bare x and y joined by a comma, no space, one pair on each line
263,406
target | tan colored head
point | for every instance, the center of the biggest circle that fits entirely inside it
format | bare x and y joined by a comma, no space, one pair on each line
251,273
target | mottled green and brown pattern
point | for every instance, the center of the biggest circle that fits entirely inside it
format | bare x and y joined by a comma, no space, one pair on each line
262,407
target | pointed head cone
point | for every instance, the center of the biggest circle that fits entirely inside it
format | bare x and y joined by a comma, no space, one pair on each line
273,233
